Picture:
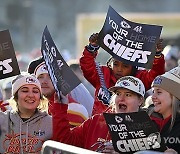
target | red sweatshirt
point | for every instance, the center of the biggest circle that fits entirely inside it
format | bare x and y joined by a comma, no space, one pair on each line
88,67
86,135
160,122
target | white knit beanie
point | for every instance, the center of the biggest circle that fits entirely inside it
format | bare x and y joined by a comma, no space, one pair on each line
40,69
170,81
24,79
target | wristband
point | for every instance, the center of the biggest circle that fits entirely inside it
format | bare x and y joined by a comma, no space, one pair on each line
158,54
92,48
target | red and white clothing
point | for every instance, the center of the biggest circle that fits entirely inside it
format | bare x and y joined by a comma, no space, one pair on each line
88,67
77,113
88,135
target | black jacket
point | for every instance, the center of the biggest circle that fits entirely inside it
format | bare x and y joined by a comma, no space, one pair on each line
172,138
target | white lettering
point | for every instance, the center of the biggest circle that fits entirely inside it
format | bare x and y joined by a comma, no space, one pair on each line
144,56
133,145
137,45
125,145
126,52
117,37
137,134
122,135
6,65
116,27
120,127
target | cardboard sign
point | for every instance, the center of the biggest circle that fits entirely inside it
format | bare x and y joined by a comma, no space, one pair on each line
133,132
63,78
8,62
130,42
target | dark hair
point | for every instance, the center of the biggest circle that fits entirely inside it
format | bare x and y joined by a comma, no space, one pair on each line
134,68
33,64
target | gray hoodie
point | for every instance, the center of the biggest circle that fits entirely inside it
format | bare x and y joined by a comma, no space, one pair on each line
24,137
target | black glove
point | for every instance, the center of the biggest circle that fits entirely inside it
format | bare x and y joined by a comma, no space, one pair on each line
159,48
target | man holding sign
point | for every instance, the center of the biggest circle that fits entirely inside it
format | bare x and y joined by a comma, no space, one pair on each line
94,134
131,46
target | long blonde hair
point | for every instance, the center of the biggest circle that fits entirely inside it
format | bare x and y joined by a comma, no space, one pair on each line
175,111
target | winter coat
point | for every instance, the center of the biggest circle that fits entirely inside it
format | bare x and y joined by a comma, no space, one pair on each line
172,137
89,135
18,136
88,67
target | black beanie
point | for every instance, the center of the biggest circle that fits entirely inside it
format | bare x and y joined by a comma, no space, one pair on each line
33,64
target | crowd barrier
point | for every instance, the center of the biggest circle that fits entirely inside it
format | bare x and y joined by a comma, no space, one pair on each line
53,147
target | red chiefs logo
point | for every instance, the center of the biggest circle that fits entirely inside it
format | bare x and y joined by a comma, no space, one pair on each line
31,80
12,143
124,83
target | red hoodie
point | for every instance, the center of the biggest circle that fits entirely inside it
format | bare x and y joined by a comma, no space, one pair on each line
88,67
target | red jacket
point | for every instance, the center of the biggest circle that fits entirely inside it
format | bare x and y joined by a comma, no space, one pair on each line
85,135
88,67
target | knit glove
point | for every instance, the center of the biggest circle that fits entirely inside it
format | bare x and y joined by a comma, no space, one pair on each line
159,48
93,43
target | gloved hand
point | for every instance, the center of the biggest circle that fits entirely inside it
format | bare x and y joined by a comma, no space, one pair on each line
170,151
159,48
93,43
64,99
108,148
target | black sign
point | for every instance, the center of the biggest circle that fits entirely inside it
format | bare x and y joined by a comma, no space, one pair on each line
130,42
133,132
63,78
8,62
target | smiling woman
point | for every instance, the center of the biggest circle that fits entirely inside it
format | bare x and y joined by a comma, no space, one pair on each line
25,129
166,100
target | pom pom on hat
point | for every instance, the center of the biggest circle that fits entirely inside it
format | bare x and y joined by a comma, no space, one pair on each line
169,81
